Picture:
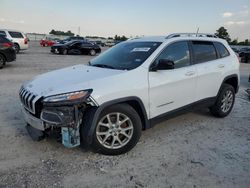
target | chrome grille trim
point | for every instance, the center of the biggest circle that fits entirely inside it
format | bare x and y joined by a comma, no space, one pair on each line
28,99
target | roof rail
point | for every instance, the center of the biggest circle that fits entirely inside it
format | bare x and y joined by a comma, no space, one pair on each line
191,35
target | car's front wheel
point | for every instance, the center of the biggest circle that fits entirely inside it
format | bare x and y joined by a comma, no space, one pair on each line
92,52
117,131
2,61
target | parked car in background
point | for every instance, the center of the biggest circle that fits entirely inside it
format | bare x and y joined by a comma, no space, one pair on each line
7,51
100,43
71,39
48,41
76,47
244,54
18,38
109,43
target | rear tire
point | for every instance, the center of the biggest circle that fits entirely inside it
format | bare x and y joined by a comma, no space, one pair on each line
2,61
224,102
17,48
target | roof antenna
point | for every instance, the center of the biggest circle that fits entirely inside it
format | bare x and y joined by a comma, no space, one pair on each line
197,31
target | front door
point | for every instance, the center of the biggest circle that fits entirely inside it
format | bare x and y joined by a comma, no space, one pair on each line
174,88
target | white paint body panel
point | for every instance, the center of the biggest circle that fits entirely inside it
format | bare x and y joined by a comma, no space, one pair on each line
155,89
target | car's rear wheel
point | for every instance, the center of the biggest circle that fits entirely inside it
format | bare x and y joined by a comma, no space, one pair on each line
92,52
17,48
225,101
2,61
117,131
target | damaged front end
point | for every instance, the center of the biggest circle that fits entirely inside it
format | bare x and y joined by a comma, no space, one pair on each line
62,114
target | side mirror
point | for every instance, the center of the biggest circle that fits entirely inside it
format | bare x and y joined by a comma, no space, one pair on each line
163,64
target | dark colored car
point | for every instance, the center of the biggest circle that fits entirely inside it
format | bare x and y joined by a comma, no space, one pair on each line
71,39
100,43
244,54
7,51
76,47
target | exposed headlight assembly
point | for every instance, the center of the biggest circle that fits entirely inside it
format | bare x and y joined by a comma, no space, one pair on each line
68,98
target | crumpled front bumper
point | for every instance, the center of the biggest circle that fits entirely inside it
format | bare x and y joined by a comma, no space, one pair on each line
33,121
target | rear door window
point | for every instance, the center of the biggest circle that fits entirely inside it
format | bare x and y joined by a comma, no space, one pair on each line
15,34
203,51
221,49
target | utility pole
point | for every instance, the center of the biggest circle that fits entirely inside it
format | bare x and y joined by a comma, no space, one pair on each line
79,30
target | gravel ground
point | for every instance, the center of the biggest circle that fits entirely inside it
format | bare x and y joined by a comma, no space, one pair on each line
192,150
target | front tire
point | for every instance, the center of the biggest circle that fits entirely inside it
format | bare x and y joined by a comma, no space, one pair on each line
117,131
92,52
65,52
225,101
2,61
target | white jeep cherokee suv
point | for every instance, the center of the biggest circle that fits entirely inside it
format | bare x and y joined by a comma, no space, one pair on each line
129,88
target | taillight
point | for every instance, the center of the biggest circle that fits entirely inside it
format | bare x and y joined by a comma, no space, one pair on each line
7,44
26,41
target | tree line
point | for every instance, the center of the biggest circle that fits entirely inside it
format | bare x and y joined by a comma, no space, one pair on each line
222,33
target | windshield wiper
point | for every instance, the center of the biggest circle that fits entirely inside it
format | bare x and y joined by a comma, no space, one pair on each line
103,66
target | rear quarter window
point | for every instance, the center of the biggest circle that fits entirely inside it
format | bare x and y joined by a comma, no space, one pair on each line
204,51
14,34
221,49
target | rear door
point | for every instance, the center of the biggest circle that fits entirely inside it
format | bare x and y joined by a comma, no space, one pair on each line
175,88
209,69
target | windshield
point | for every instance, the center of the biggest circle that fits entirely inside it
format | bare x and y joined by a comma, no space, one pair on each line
125,56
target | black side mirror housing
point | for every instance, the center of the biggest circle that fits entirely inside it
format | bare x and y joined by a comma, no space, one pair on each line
163,64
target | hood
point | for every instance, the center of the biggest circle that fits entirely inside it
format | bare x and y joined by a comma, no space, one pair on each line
68,79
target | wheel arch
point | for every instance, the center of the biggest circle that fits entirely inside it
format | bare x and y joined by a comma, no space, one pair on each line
233,81
3,56
134,102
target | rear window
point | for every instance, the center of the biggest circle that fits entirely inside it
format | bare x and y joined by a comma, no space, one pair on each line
14,34
223,52
204,51
3,32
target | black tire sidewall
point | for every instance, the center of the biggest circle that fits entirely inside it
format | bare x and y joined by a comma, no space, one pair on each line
2,64
17,48
132,114
93,53
216,109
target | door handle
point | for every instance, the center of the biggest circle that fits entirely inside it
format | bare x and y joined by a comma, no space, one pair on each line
190,73
221,66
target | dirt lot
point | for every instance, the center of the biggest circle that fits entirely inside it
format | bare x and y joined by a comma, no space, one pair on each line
192,150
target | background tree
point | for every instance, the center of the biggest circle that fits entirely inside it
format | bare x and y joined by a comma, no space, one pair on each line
68,33
222,33
120,38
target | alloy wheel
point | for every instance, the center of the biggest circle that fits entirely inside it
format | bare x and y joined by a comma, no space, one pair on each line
227,101
114,130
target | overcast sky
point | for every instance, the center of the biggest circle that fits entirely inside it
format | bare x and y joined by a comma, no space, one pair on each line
127,17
